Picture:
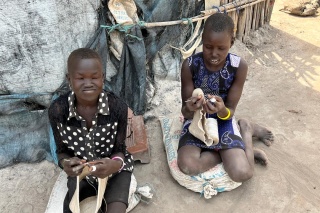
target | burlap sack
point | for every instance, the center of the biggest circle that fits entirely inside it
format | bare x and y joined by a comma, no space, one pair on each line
301,7
208,183
123,11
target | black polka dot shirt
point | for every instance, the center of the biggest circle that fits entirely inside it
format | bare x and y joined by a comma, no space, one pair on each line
106,136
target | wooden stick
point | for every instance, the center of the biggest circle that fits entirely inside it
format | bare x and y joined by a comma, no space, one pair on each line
262,20
266,11
251,17
236,18
247,23
254,17
262,15
241,24
258,16
270,8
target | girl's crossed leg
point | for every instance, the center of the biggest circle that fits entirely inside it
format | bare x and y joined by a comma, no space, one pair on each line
192,160
238,163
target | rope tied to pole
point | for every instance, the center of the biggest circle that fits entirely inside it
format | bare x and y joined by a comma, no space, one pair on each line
217,8
237,6
122,28
189,20
225,9
142,23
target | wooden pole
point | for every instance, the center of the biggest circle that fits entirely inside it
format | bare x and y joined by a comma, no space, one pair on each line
251,19
254,17
248,23
241,24
266,11
234,17
270,8
258,16
262,14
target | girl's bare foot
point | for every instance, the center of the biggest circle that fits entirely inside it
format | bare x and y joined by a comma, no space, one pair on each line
262,133
260,156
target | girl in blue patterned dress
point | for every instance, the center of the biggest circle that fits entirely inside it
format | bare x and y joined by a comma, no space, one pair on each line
221,75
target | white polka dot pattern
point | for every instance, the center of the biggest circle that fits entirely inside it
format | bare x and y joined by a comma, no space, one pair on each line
98,141
81,142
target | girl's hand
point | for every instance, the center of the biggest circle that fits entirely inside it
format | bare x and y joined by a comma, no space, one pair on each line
104,167
73,166
195,103
215,107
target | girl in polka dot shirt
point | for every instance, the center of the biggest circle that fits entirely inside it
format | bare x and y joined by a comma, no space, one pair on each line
89,126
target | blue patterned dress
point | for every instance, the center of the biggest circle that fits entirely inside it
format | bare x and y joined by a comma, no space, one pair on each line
214,83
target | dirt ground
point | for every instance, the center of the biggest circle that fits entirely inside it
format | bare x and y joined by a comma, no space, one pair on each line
282,92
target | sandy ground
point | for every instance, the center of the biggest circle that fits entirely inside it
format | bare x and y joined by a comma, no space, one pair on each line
282,92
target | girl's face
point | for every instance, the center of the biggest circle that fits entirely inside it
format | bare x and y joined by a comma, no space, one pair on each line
86,79
216,46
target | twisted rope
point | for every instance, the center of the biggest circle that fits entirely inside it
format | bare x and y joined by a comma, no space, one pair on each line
123,28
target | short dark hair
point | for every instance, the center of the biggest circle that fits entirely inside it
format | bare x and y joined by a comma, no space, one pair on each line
82,53
219,22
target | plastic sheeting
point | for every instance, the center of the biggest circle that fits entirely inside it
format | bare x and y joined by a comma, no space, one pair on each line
166,64
36,38
130,82
24,137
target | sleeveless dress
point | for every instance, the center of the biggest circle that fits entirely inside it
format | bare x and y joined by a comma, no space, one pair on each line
214,83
